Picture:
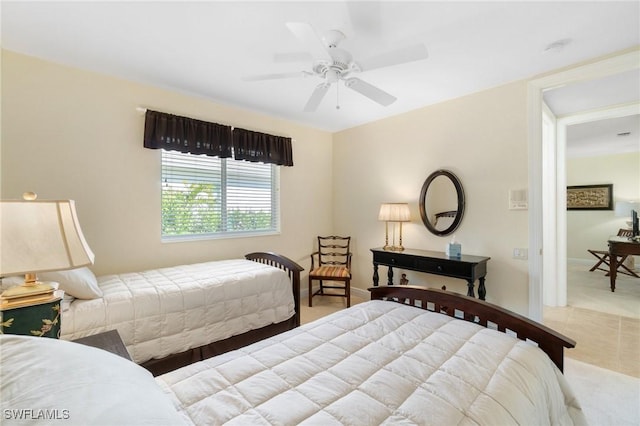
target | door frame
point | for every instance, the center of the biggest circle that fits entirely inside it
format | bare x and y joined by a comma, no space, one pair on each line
544,232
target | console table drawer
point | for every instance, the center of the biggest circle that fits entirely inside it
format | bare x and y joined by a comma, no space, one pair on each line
445,268
395,260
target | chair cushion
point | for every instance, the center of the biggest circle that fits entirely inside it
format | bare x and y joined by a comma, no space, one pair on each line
331,271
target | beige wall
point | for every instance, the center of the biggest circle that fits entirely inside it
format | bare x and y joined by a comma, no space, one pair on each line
68,133
482,138
590,229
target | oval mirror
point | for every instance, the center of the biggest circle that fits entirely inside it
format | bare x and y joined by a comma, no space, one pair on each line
442,202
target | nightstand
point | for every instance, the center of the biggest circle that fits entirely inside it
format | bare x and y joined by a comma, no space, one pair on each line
38,319
109,341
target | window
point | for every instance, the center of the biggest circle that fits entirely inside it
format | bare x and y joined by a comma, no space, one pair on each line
204,196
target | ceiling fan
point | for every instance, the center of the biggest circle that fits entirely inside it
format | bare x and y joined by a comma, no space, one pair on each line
332,64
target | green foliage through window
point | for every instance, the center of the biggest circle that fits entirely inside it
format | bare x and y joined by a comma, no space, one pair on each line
212,196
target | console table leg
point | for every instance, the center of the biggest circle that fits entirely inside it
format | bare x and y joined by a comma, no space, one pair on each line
376,279
390,276
613,269
482,291
470,291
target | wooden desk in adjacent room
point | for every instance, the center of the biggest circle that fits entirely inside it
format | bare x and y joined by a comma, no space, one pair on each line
466,267
619,246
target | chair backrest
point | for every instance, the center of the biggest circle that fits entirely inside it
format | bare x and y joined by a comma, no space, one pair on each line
334,250
625,233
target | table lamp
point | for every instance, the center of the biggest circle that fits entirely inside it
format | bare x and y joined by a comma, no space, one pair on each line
39,236
394,212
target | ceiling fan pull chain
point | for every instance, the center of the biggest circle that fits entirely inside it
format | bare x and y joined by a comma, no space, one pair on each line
337,96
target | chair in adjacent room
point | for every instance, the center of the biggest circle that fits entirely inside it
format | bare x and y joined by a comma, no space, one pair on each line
334,266
603,257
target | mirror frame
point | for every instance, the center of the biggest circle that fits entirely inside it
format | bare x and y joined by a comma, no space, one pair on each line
461,202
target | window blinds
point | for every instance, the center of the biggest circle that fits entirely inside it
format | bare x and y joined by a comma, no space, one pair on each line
203,195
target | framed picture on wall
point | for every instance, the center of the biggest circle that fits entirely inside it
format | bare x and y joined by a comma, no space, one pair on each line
590,197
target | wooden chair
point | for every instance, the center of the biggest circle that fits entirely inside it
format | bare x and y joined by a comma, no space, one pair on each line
603,257
334,265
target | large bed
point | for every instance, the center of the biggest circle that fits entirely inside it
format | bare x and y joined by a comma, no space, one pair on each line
378,362
173,316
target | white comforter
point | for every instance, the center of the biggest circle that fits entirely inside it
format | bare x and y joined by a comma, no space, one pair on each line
377,363
170,310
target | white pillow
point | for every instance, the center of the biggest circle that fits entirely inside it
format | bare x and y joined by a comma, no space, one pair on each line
80,384
80,283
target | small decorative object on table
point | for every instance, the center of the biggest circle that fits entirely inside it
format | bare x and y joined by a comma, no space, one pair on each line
454,249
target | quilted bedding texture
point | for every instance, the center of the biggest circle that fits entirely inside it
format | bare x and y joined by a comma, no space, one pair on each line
170,310
377,363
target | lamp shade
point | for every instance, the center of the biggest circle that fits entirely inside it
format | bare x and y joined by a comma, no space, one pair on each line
394,212
38,236
623,208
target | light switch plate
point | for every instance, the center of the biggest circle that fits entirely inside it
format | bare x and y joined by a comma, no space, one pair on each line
520,253
518,199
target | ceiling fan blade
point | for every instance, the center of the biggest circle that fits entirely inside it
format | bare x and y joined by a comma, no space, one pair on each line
316,97
307,35
276,76
370,91
394,57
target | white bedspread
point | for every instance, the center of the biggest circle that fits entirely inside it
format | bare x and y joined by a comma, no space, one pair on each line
170,310
47,381
377,363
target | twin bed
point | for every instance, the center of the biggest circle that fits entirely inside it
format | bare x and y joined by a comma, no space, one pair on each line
170,317
434,358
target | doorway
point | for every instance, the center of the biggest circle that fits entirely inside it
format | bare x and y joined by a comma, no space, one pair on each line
547,220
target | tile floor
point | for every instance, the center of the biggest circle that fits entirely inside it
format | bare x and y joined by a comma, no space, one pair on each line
604,324
602,339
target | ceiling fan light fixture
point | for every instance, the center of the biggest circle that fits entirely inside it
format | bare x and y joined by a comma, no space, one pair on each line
332,76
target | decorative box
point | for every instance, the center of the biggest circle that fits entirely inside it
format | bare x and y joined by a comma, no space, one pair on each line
40,319
454,250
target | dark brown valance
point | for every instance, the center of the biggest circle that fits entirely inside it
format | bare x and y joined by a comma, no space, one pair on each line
256,146
188,135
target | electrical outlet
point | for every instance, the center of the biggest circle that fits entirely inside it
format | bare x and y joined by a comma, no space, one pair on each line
520,253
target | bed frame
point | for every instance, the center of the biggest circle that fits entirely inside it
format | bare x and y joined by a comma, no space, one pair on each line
480,312
172,362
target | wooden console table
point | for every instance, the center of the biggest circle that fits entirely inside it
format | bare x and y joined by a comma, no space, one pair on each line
466,267
619,246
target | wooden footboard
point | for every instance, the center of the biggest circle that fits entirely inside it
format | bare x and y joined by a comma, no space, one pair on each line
172,362
480,312
288,265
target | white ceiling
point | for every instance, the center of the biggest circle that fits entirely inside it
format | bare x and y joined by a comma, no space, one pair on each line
595,94
204,48
604,136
